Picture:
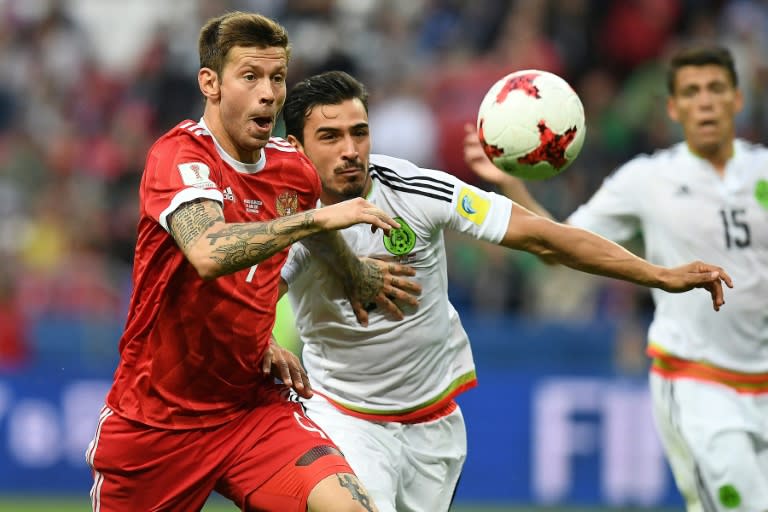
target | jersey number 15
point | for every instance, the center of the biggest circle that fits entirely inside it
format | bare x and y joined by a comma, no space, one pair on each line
736,229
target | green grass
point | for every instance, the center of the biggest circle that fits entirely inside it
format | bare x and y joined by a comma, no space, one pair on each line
77,505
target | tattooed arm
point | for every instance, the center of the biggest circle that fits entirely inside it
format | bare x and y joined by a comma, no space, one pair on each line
216,247
367,281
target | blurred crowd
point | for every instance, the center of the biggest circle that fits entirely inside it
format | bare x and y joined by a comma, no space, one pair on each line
89,84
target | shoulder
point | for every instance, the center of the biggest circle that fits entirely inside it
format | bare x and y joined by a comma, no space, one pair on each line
754,150
403,176
643,164
187,136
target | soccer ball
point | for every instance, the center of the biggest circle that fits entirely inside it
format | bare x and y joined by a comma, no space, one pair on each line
531,124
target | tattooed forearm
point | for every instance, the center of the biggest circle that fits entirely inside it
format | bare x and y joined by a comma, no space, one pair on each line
237,246
352,484
363,280
191,220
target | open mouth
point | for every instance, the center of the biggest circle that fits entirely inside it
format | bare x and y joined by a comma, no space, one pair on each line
263,122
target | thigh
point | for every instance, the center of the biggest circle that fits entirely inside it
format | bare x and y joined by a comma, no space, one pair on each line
372,449
435,452
666,414
136,467
719,428
281,456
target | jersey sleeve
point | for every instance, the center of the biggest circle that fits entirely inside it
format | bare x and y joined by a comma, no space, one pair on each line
178,173
296,263
614,210
478,213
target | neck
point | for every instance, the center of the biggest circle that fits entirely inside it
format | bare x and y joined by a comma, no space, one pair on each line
213,122
717,156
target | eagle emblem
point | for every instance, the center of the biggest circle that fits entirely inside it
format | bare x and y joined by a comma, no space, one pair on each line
287,203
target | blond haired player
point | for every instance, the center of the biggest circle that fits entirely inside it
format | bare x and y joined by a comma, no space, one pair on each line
386,393
706,197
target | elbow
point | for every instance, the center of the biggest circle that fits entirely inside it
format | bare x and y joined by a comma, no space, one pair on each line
208,271
207,268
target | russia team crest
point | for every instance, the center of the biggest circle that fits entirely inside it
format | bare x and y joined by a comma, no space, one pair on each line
287,203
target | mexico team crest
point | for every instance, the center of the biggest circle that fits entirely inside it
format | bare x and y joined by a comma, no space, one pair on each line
287,203
400,241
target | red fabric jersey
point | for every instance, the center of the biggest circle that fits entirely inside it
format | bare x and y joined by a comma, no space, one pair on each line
191,350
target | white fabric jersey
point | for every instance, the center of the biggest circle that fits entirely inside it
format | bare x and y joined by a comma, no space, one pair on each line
685,212
394,367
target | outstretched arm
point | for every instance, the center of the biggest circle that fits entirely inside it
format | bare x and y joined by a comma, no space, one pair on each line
216,248
583,250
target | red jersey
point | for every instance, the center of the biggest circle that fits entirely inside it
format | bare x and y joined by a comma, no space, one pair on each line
190,355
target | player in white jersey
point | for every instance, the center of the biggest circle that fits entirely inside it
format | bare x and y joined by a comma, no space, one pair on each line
706,198
386,393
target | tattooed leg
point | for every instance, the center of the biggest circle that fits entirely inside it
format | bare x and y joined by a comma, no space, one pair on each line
355,488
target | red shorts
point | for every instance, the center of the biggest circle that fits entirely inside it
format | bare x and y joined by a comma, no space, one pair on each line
273,453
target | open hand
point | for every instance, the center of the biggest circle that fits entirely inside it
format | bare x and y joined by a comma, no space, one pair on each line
698,275
283,364
354,211
385,285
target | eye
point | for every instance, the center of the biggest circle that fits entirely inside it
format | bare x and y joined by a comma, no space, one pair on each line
278,79
249,77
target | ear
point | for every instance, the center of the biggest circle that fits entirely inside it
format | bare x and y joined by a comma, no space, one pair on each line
295,143
672,109
209,83
738,101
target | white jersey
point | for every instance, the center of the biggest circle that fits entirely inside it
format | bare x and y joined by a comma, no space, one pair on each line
686,211
395,367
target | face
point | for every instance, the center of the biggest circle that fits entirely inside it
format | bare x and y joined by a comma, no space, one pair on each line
337,140
245,99
705,103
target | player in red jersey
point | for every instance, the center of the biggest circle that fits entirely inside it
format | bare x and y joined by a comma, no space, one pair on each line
191,408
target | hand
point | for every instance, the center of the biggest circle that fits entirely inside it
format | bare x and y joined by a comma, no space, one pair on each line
354,211
382,282
698,275
283,364
478,161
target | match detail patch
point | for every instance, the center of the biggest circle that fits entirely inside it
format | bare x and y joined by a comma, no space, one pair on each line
196,174
473,206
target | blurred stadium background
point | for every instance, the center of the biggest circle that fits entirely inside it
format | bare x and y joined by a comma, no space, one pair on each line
561,416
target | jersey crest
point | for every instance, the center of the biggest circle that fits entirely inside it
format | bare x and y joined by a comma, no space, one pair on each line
287,203
761,193
400,241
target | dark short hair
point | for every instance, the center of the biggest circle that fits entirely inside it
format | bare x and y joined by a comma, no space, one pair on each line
222,33
329,88
701,56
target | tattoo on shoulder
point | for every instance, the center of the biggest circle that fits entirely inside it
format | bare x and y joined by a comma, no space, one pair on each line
352,484
191,220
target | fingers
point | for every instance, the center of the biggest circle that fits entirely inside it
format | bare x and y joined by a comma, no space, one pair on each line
266,363
360,312
397,269
403,290
389,306
289,370
716,290
299,377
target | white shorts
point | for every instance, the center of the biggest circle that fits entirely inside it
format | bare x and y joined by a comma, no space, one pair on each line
716,442
405,467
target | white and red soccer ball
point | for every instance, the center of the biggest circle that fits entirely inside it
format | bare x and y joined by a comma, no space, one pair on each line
531,124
